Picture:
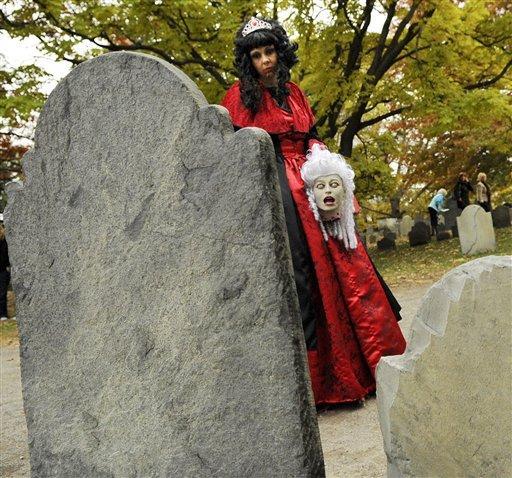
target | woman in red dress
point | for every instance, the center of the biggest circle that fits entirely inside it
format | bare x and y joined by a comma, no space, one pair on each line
347,316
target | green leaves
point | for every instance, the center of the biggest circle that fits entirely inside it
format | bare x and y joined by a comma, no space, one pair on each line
20,94
423,84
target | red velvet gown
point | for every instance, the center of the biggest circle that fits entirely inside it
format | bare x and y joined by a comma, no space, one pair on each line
355,323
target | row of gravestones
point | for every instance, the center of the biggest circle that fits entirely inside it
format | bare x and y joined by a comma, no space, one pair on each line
419,232
160,333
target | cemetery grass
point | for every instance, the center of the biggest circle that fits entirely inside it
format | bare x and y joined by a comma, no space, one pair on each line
8,333
407,265
9,329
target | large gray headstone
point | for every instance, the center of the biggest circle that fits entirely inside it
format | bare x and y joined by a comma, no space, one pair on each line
444,406
476,233
159,323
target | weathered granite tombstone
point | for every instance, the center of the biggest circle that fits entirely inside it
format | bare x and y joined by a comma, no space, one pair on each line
501,217
406,225
388,234
419,234
444,406
450,216
443,233
476,233
386,243
159,323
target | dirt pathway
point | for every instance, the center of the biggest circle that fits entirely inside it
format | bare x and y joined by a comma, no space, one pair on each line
14,460
351,438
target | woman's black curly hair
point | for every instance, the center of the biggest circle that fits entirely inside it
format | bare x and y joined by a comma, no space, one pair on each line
250,87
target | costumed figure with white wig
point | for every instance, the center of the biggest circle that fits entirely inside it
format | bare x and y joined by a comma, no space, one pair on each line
348,316
329,182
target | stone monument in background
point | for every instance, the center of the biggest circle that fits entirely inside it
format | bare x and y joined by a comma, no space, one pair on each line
444,406
159,324
406,225
419,234
476,233
450,216
501,217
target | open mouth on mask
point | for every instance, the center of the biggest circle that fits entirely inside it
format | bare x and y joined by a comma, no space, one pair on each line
328,200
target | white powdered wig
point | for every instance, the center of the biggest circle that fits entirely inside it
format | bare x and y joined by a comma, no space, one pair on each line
321,162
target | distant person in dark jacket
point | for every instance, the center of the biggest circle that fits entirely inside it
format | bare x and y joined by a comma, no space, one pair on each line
462,190
483,192
5,275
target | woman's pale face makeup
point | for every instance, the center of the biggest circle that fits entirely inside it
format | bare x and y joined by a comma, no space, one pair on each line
329,194
264,61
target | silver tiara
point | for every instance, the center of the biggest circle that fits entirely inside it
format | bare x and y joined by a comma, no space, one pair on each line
255,24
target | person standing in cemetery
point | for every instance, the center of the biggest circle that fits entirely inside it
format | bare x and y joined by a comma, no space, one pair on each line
483,192
342,364
4,271
461,191
435,207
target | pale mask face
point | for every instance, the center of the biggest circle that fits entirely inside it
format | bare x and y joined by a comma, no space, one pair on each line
329,193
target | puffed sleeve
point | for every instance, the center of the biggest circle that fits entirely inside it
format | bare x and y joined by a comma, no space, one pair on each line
233,103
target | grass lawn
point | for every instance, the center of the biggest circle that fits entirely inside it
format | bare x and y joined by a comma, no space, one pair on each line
407,265
8,329
8,333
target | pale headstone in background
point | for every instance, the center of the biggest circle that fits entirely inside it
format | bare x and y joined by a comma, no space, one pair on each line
476,233
444,406
406,225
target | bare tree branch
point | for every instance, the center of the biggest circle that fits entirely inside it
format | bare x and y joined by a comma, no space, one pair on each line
382,102
411,53
491,81
210,66
5,20
384,34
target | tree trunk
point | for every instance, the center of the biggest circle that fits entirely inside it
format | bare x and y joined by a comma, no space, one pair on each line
347,137
350,131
